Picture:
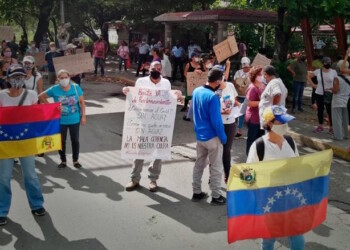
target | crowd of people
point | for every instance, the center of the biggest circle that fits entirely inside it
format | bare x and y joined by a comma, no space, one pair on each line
258,91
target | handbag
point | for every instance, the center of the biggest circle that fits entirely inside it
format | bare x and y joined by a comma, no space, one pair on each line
327,96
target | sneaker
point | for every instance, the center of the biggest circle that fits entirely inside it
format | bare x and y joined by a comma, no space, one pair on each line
77,165
186,119
62,165
3,221
330,131
153,186
238,135
200,196
221,200
318,129
39,212
132,185
184,109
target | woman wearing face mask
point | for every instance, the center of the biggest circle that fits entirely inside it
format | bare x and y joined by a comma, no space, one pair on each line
275,146
192,66
123,53
16,95
253,95
325,78
33,78
73,115
7,60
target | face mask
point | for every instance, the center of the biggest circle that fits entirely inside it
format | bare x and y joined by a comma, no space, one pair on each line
264,80
209,65
217,87
64,82
28,67
196,59
280,129
8,54
260,79
327,66
53,49
155,74
17,83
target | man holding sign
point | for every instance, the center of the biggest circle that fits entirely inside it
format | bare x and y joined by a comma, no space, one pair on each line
154,81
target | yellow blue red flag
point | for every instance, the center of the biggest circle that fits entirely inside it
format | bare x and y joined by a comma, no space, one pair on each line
271,199
29,130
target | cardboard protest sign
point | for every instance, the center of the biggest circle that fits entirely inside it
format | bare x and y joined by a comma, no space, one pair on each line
6,33
39,59
75,64
226,49
261,60
79,51
148,124
194,80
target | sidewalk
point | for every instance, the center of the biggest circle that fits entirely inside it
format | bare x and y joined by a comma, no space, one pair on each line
301,129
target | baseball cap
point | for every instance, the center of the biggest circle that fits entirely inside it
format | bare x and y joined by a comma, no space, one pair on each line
278,113
326,60
15,70
29,59
245,61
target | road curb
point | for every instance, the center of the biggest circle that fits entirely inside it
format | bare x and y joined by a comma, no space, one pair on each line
320,145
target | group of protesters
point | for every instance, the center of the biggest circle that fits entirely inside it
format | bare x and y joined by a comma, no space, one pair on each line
258,92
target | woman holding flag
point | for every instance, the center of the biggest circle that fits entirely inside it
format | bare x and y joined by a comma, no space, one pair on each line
73,115
18,96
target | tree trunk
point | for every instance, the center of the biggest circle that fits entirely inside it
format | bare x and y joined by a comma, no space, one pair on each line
104,32
53,20
340,34
43,24
308,44
282,36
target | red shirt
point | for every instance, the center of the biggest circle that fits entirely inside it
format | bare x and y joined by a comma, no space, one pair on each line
252,113
99,49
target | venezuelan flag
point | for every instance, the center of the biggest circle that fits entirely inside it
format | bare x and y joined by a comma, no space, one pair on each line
29,130
288,197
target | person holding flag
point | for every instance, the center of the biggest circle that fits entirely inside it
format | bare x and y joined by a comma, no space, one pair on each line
18,96
272,146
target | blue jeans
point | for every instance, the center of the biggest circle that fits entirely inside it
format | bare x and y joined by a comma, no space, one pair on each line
254,132
298,91
31,183
296,243
101,62
241,118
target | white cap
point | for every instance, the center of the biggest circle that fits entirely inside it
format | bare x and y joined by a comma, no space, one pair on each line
29,59
71,46
245,61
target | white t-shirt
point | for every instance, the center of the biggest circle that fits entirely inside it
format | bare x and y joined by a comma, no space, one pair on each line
319,44
272,151
273,88
340,99
145,82
328,78
8,101
240,74
227,100
29,83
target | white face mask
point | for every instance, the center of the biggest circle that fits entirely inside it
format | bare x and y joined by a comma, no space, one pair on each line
280,129
209,65
64,82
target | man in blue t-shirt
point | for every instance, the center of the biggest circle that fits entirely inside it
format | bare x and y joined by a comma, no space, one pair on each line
210,135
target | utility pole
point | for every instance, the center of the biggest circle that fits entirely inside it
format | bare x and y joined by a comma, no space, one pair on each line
62,11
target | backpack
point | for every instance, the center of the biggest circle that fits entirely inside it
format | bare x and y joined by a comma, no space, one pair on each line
260,146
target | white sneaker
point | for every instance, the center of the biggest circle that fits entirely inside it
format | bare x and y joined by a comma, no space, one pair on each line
132,185
153,186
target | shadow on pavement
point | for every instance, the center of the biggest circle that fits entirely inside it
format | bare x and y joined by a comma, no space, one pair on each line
200,217
52,238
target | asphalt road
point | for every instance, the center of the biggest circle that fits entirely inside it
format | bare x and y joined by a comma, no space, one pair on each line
89,209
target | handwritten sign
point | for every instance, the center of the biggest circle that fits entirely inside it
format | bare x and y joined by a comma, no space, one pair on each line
194,80
261,61
39,59
148,124
226,49
6,33
76,64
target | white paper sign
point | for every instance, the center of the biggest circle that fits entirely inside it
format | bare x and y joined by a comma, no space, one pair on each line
148,124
